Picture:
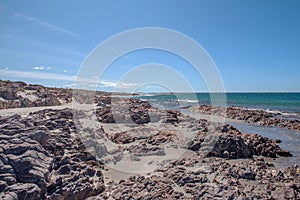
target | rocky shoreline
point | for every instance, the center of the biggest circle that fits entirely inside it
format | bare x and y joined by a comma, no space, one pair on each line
259,117
133,151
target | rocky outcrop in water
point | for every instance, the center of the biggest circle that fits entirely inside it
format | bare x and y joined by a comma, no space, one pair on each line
259,117
232,144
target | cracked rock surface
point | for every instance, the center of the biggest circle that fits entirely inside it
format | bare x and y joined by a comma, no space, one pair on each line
40,158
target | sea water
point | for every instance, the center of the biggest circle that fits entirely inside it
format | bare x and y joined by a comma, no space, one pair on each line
286,103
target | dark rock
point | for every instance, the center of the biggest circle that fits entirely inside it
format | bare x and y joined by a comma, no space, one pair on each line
40,136
247,175
259,145
235,145
25,191
194,146
3,185
64,169
284,153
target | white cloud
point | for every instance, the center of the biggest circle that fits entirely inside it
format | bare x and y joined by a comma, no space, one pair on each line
65,71
72,85
39,67
117,84
78,81
49,67
44,24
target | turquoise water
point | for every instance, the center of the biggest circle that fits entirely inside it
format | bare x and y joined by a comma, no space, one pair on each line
283,102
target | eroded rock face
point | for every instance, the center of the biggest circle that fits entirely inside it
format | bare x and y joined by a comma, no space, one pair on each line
41,158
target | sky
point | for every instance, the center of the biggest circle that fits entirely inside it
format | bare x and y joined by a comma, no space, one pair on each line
254,44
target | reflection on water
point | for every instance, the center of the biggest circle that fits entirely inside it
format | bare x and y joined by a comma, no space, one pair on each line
290,141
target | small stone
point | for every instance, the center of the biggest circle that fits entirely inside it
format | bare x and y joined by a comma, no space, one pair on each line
249,175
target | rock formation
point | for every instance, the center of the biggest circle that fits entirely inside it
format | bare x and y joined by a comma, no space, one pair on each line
40,158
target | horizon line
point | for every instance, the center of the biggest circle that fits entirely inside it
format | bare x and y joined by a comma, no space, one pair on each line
156,92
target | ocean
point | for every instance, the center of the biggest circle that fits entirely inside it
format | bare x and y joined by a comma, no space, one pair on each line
286,103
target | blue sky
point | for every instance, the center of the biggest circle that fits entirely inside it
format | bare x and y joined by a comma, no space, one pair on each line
255,44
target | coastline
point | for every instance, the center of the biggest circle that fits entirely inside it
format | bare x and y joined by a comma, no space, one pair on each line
104,152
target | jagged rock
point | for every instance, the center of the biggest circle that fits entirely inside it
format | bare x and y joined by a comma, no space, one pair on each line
35,155
235,145
259,145
232,144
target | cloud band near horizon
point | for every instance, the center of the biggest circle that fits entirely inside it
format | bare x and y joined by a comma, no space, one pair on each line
55,76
